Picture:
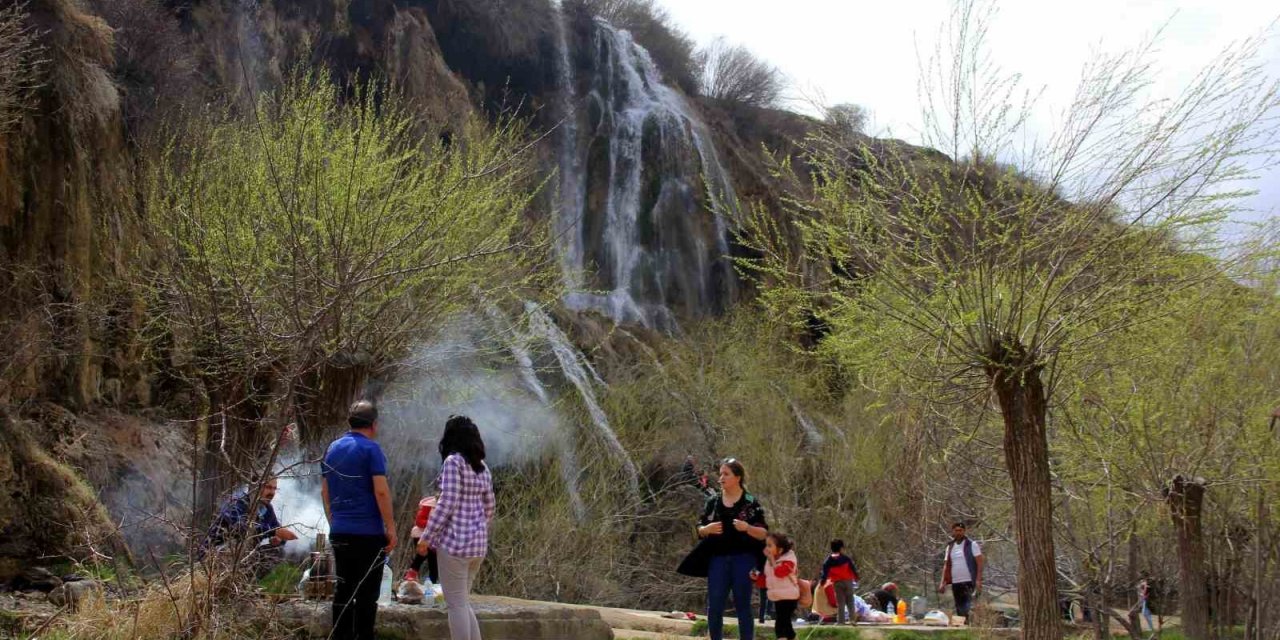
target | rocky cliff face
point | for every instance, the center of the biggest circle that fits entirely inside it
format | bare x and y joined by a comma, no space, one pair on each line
115,72
648,181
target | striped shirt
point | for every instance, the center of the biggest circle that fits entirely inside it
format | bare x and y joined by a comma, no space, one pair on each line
459,524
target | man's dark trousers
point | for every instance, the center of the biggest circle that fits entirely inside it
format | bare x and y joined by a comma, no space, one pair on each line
963,593
358,563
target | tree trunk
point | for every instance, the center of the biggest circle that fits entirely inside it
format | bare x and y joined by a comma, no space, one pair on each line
1026,449
1135,611
1186,504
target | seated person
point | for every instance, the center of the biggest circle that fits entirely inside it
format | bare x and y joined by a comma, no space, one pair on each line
886,598
259,526
866,614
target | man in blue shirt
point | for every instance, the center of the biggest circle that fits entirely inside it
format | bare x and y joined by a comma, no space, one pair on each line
357,502
237,521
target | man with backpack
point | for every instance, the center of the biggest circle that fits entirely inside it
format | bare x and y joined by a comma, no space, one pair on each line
962,569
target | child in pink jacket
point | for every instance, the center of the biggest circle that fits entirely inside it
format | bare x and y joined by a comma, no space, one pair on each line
782,581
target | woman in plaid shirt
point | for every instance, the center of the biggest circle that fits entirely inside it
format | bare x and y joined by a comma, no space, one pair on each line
459,526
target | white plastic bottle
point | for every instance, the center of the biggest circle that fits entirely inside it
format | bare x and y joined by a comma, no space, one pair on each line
384,593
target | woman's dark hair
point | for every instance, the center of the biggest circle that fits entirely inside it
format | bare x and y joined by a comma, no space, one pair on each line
781,541
461,436
737,469
837,545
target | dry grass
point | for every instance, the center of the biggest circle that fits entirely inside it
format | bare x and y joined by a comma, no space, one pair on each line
210,603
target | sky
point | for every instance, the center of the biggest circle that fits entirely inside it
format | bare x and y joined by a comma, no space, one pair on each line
869,52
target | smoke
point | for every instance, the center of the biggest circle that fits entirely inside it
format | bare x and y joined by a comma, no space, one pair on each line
297,502
475,368
468,370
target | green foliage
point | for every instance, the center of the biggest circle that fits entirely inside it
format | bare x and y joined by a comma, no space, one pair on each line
322,231
1081,290
283,579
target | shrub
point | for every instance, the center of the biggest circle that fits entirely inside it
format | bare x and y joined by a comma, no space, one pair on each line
845,120
733,74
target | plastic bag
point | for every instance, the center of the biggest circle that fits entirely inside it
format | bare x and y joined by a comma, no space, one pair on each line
937,618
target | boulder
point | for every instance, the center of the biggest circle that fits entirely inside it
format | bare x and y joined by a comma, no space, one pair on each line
36,579
71,594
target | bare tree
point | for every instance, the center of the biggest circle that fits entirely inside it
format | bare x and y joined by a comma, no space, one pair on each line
846,119
20,63
733,74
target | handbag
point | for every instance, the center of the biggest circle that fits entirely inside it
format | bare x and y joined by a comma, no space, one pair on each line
697,564
806,593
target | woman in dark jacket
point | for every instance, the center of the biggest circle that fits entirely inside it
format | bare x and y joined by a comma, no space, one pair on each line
734,529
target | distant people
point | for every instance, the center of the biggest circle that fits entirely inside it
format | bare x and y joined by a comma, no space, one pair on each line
962,569
781,580
689,471
843,575
1146,605
423,553
258,527
458,528
704,483
357,502
886,598
733,522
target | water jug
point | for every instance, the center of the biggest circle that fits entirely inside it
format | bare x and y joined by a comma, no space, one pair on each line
384,592
919,607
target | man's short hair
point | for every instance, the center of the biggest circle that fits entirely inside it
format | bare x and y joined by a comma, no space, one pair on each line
362,415
958,524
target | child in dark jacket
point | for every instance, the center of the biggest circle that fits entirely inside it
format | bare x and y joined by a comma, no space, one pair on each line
843,574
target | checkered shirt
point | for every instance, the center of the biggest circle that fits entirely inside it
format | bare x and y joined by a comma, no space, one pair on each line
460,522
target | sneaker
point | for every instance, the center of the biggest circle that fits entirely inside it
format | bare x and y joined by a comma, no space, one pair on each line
411,575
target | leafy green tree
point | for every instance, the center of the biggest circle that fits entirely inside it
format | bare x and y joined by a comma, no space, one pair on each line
992,284
307,244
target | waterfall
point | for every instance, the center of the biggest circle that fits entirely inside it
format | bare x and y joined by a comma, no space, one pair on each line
518,345
568,221
642,191
576,372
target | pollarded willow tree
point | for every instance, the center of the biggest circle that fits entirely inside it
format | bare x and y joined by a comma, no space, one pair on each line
309,243
992,274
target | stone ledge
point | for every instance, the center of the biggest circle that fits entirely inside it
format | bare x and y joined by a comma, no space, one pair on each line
500,619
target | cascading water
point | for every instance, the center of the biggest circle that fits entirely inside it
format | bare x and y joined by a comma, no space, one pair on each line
642,191
568,221
518,345
576,371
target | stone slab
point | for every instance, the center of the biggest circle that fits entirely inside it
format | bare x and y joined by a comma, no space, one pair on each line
500,619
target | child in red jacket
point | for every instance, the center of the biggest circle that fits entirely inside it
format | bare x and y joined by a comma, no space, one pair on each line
422,552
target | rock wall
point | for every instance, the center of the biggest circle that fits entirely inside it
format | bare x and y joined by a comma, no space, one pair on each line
117,74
